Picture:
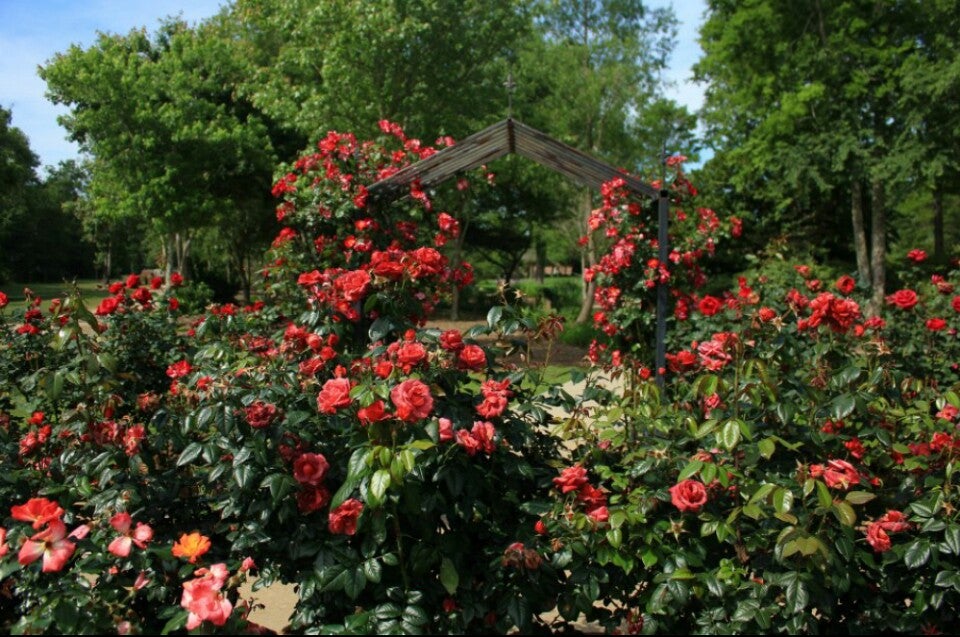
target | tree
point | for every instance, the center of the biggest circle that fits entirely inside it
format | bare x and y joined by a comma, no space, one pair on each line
804,106
588,77
171,141
928,100
433,66
17,181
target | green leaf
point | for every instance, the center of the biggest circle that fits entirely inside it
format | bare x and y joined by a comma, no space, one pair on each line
782,500
379,483
388,610
842,406
372,570
951,541
355,582
859,497
730,434
243,475
917,554
380,328
708,473
449,576
797,597
494,316
948,579
766,447
824,498
692,468
845,513
415,615
615,537
189,454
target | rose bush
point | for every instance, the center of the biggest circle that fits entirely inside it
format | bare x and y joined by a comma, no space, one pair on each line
323,438
793,472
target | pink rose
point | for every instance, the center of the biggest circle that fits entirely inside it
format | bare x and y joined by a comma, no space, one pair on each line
412,400
688,495
334,395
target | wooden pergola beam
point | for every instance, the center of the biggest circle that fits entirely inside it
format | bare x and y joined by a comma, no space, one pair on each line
503,138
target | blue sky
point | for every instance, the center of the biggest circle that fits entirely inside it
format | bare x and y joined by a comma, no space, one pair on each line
32,32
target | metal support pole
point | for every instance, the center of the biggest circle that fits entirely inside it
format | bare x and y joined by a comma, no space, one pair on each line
662,287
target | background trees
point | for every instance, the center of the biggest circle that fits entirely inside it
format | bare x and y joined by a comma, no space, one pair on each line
817,108
41,238
832,125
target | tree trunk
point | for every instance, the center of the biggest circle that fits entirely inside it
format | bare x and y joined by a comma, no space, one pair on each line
540,249
939,251
588,259
878,241
859,233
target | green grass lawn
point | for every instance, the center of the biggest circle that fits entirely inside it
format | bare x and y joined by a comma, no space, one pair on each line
92,291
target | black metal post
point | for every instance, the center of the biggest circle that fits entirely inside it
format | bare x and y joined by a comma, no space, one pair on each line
662,287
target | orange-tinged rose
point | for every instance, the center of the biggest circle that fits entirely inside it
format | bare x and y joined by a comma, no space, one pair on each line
191,546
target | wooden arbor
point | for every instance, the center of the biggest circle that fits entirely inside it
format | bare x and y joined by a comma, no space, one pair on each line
510,136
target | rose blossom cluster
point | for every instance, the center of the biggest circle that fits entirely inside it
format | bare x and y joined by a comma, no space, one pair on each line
51,542
203,598
129,295
877,532
594,501
374,256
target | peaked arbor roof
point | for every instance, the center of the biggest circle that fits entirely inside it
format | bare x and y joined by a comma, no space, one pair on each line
506,137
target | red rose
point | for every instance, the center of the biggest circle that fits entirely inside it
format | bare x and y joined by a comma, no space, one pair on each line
710,305
372,413
936,324
410,355
133,280
766,314
445,430
260,414
179,369
412,399
3,300
894,521
334,395
343,519
917,256
353,285
452,341
386,264
571,479
681,361
39,511
688,495
107,306
483,433
426,262
846,284
838,474
312,498
310,468
472,357
878,538
903,299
